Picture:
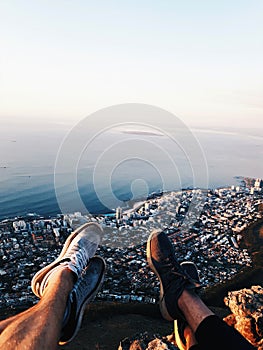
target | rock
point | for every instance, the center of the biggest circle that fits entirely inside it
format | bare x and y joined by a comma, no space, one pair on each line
136,345
246,306
157,344
145,341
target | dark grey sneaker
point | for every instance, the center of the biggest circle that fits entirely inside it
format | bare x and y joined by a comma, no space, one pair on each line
84,292
173,278
78,249
180,324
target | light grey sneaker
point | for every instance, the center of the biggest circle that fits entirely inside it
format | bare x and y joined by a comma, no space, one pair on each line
78,249
84,292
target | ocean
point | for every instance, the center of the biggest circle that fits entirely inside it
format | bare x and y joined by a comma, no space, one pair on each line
42,174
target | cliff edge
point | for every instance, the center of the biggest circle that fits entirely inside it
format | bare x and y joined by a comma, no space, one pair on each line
246,306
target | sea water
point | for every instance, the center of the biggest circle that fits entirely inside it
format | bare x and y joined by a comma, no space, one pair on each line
118,166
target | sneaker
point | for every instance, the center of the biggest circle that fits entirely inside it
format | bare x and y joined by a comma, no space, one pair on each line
84,292
180,324
78,249
173,278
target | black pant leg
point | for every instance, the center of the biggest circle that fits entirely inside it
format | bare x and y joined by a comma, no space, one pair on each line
213,333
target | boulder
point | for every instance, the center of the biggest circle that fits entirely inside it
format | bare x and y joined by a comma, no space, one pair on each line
246,306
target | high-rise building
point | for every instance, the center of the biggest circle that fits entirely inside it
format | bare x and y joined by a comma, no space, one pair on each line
119,213
257,184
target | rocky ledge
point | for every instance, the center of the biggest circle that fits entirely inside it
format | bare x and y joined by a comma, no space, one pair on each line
246,306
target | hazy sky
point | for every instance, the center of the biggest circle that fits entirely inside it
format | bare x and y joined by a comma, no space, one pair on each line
202,60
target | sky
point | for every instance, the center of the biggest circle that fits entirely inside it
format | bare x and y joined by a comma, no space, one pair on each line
201,60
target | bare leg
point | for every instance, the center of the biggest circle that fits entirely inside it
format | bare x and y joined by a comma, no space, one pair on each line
177,297
39,327
193,308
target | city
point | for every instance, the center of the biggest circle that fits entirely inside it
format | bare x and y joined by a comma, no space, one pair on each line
210,239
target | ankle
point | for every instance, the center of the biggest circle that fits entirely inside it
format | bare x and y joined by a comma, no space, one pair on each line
193,309
60,277
184,298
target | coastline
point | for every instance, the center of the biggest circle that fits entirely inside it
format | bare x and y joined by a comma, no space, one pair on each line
252,241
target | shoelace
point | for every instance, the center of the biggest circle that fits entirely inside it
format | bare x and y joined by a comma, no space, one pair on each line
79,258
173,271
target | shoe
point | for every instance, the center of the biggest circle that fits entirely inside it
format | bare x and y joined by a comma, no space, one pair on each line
180,324
78,249
84,292
173,278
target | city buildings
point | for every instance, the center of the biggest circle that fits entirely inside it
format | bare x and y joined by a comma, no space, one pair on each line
204,226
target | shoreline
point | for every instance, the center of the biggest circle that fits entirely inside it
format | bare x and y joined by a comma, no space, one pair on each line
129,203
252,240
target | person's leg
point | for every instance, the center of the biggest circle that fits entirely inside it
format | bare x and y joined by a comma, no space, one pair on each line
184,335
39,327
207,327
4,323
213,330
193,309
178,299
